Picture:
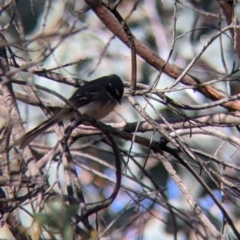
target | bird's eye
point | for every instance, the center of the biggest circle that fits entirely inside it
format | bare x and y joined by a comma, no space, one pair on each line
117,92
112,90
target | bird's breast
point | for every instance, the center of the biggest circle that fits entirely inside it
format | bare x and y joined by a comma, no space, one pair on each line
97,110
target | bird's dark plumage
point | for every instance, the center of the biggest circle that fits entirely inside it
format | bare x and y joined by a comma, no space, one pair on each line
96,99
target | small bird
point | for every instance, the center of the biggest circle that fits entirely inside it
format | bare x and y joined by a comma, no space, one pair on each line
96,99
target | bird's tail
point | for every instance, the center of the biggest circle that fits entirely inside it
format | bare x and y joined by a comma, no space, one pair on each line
30,135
